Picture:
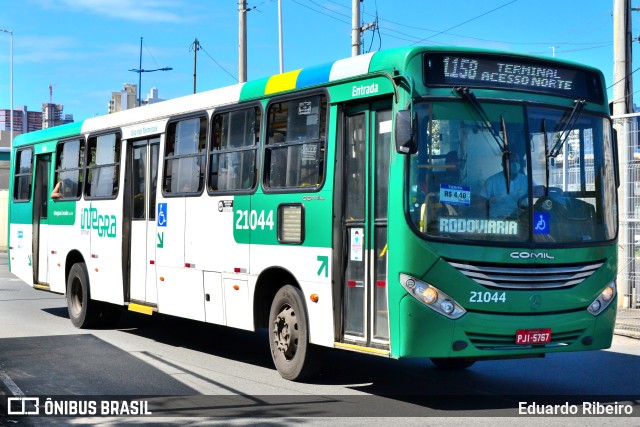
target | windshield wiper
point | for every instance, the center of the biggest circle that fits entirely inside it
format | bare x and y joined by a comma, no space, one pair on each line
543,129
569,123
503,142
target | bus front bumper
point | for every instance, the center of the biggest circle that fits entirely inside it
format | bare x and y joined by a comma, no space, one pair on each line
425,333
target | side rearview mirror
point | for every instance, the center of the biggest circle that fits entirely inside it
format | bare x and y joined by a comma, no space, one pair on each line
616,159
405,136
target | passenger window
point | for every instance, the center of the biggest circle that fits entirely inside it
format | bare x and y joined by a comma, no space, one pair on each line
294,154
184,161
234,144
23,171
69,175
104,166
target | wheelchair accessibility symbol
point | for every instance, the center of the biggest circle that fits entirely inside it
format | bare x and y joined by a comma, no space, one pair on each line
541,223
162,214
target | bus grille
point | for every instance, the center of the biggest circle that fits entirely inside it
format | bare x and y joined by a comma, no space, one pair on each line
507,342
517,277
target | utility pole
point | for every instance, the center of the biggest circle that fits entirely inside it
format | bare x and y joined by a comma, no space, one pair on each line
622,106
242,41
356,28
622,90
196,47
281,50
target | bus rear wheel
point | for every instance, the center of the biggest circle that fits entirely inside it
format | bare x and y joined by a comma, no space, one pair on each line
293,355
453,363
82,311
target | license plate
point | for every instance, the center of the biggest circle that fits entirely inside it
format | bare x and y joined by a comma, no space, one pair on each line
533,336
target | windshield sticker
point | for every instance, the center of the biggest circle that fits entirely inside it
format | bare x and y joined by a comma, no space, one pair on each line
478,226
456,195
356,244
385,127
541,223
304,108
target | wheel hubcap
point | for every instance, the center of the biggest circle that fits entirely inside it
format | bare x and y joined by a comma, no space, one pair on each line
285,332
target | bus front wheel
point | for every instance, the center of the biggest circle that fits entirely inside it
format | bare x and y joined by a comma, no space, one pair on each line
293,355
82,310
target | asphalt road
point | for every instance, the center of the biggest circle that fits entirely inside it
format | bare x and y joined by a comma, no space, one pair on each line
190,373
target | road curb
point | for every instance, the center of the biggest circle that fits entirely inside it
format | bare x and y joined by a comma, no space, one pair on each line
629,333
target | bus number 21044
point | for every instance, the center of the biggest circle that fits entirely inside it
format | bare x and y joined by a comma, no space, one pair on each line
488,297
254,219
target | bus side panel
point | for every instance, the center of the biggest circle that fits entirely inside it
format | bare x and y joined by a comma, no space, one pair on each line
65,235
210,246
172,234
181,292
304,263
309,261
62,240
20,250
238,311
209,240
103,219
214,305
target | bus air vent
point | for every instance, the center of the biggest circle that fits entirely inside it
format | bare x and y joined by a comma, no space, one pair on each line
530,277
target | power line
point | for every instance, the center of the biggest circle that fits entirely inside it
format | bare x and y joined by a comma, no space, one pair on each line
150,54
467,21
600,46
404,25
624,97
235,78
330,10
623,79
322,13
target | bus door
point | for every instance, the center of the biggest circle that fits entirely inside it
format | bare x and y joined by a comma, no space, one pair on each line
40,221
367,139
142,177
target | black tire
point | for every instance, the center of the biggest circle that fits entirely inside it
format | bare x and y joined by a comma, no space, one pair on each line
83,312
452,364
294,357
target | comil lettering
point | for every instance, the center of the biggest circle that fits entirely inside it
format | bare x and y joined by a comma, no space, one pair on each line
530,255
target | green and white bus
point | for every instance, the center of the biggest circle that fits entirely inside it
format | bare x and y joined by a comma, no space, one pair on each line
428,202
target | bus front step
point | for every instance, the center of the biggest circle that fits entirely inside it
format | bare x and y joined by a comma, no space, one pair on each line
139,308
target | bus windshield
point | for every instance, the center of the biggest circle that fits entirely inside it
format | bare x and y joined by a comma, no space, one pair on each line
560,174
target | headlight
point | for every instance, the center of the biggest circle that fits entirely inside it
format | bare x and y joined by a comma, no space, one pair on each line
432,297
604,299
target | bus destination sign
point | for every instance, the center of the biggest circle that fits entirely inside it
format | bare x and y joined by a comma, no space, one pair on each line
505,72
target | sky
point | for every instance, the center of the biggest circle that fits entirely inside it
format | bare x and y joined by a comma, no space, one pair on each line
84,49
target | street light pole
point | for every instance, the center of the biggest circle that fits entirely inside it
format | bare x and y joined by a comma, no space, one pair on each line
140,71
10,84
140,75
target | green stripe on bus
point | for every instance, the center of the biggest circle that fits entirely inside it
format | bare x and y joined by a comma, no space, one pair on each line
54,133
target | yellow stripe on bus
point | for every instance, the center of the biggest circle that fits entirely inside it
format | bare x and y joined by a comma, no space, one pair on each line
361,349
144,309
282,82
